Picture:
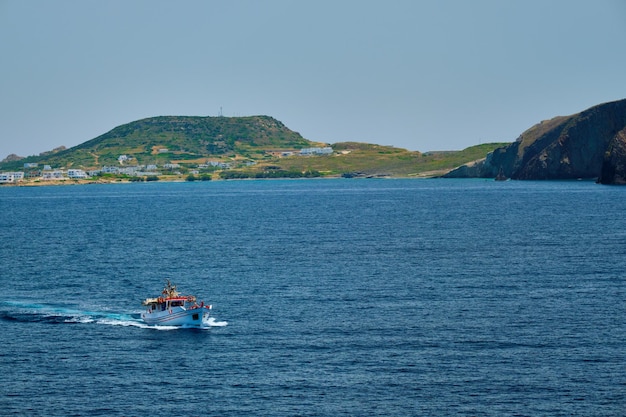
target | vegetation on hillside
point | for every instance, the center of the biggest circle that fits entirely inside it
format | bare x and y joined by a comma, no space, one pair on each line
252,147
359,159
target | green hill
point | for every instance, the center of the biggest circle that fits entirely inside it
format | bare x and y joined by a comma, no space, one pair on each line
161,139
251,146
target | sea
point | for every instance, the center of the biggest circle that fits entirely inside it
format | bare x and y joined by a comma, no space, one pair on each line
343,297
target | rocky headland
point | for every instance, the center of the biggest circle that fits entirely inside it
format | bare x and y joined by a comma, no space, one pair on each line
589,144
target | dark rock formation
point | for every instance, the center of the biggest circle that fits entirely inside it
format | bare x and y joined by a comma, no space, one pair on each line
567,147
614,165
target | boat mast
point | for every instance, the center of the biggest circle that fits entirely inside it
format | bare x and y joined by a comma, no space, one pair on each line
170,290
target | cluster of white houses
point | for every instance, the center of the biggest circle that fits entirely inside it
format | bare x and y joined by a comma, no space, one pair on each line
49,174
32,171
46,174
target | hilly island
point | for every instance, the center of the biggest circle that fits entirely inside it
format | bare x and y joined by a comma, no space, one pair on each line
236,147
589,144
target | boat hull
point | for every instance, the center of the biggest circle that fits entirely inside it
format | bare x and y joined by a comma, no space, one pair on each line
176,316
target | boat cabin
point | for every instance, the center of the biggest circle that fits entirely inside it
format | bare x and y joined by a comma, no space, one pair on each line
162,304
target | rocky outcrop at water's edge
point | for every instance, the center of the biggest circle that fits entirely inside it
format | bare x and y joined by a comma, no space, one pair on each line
589,144
614,164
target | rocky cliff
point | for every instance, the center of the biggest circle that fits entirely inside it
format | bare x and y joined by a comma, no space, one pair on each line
614,164
583,145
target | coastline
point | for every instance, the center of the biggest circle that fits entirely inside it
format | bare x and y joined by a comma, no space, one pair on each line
52,183
179,178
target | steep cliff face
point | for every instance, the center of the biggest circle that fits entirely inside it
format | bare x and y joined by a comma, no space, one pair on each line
614,164
560,148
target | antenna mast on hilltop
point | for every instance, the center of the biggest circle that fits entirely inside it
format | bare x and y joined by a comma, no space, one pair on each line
221,111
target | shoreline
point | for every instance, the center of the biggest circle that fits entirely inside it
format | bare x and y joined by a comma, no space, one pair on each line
167,178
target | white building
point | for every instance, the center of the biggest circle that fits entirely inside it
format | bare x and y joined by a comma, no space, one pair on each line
76,173
110,170
10,177
53,175
317,151
218,164
132,170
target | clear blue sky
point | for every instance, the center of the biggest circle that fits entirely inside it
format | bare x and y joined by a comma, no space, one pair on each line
421,75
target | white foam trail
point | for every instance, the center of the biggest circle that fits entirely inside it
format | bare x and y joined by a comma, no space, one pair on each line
129,321
71,315
212,323
80,320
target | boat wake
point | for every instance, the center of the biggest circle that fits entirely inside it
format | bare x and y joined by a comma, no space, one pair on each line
14,311
212,323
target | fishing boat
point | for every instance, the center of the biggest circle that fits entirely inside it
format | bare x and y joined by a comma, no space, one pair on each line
173,309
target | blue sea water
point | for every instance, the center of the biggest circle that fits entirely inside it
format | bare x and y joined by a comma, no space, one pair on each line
330,297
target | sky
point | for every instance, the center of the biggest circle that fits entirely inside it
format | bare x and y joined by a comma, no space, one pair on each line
420,75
